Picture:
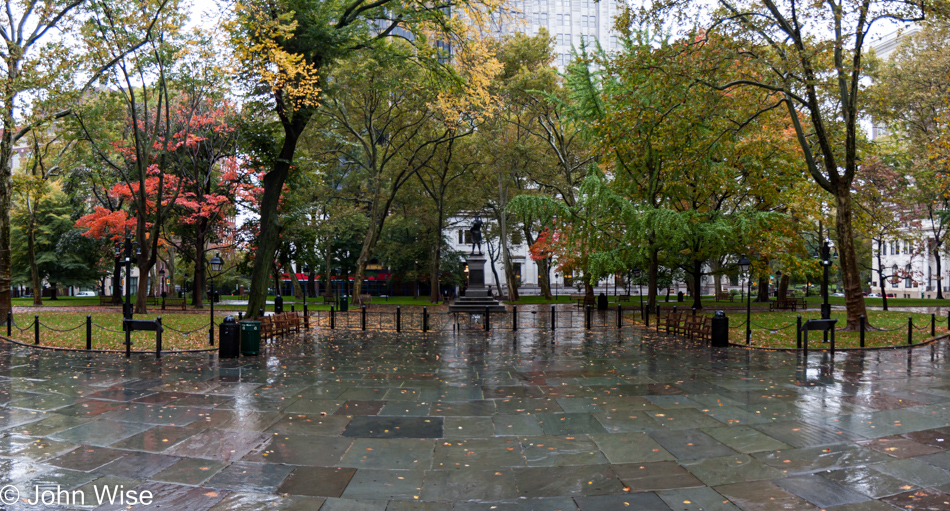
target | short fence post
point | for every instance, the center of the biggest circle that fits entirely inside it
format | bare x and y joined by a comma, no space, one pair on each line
292,308
674,310
910,330
88,332
553,319
158,338
260,312
398,318
240,315
832,340
862,330
332,317
514,317
933,325
363,317
36,329
487,319
619,316
587,318
306,317
425,319
657,318
798,335
10,322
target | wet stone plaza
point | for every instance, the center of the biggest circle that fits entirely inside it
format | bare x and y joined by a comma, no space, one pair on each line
606,420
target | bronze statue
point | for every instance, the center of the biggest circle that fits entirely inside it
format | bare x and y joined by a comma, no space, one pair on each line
476,231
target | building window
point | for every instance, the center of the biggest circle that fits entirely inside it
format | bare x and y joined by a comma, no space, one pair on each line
133,285
564,39
517,271
564,20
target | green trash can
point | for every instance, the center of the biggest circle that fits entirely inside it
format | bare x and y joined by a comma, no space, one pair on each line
344,303
250,337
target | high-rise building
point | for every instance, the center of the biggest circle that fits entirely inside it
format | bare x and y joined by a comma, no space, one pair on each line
568,21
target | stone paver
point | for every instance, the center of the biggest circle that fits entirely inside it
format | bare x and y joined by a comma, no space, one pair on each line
475,421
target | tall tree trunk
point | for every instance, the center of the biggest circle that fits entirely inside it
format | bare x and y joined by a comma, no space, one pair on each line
763,290
854,295
589,298
34,268
369,244
268,238
544,277
435,291
6,195
294,283
653,273
783,287
697,274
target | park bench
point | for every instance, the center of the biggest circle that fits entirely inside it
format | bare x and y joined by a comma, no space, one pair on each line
675,322
267,327
581,299
328,298
698,327
724,297
105,300
788,304
366,299
176,303
622,298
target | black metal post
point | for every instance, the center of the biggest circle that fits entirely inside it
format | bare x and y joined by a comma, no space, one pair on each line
425,319
363,317
619,316
657,317
292,309
331,317
9,323
158,338
514,317
553,319
306,317
587,318
398,318
933,325
798,335
88,332
240,315
36,327
127,308
861,334
487,319
211,299
260,312
748,313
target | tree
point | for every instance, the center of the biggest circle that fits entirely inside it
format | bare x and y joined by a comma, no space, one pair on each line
286,50
811,56
38,70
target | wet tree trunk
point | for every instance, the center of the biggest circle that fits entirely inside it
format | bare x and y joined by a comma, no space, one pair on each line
783,287
854,296
763,296
34,268
697,275
652,278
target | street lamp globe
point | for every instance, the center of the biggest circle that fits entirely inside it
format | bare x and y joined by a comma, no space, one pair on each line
216,263
744,263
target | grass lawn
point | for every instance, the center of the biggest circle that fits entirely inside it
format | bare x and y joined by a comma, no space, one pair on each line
777,330
113,338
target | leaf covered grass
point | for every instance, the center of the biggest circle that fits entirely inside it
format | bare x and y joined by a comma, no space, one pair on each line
777,329
107,331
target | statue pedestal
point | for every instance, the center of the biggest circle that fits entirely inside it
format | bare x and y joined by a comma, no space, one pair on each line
477,296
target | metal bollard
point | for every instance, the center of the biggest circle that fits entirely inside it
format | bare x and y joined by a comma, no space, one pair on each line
619,316
910,330
798,333
306,317
398,318
363,317
240,315
88,332
861,335
587,318
292,308
553,319
487,319
425,319
933,325
332,317
260,313
158,338
36,329
514,317
658,318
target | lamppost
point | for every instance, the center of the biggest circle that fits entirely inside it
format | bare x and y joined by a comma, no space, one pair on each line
825,255
215,265
161,276
778,281
127,306
306,289
556,277
744,266
636,275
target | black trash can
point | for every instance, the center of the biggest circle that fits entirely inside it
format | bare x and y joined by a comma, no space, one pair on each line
679,296
602,304
344,303
229,342
278,304
217,297
720,330
250,337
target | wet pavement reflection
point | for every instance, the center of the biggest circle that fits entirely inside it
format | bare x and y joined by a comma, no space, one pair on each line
527,420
